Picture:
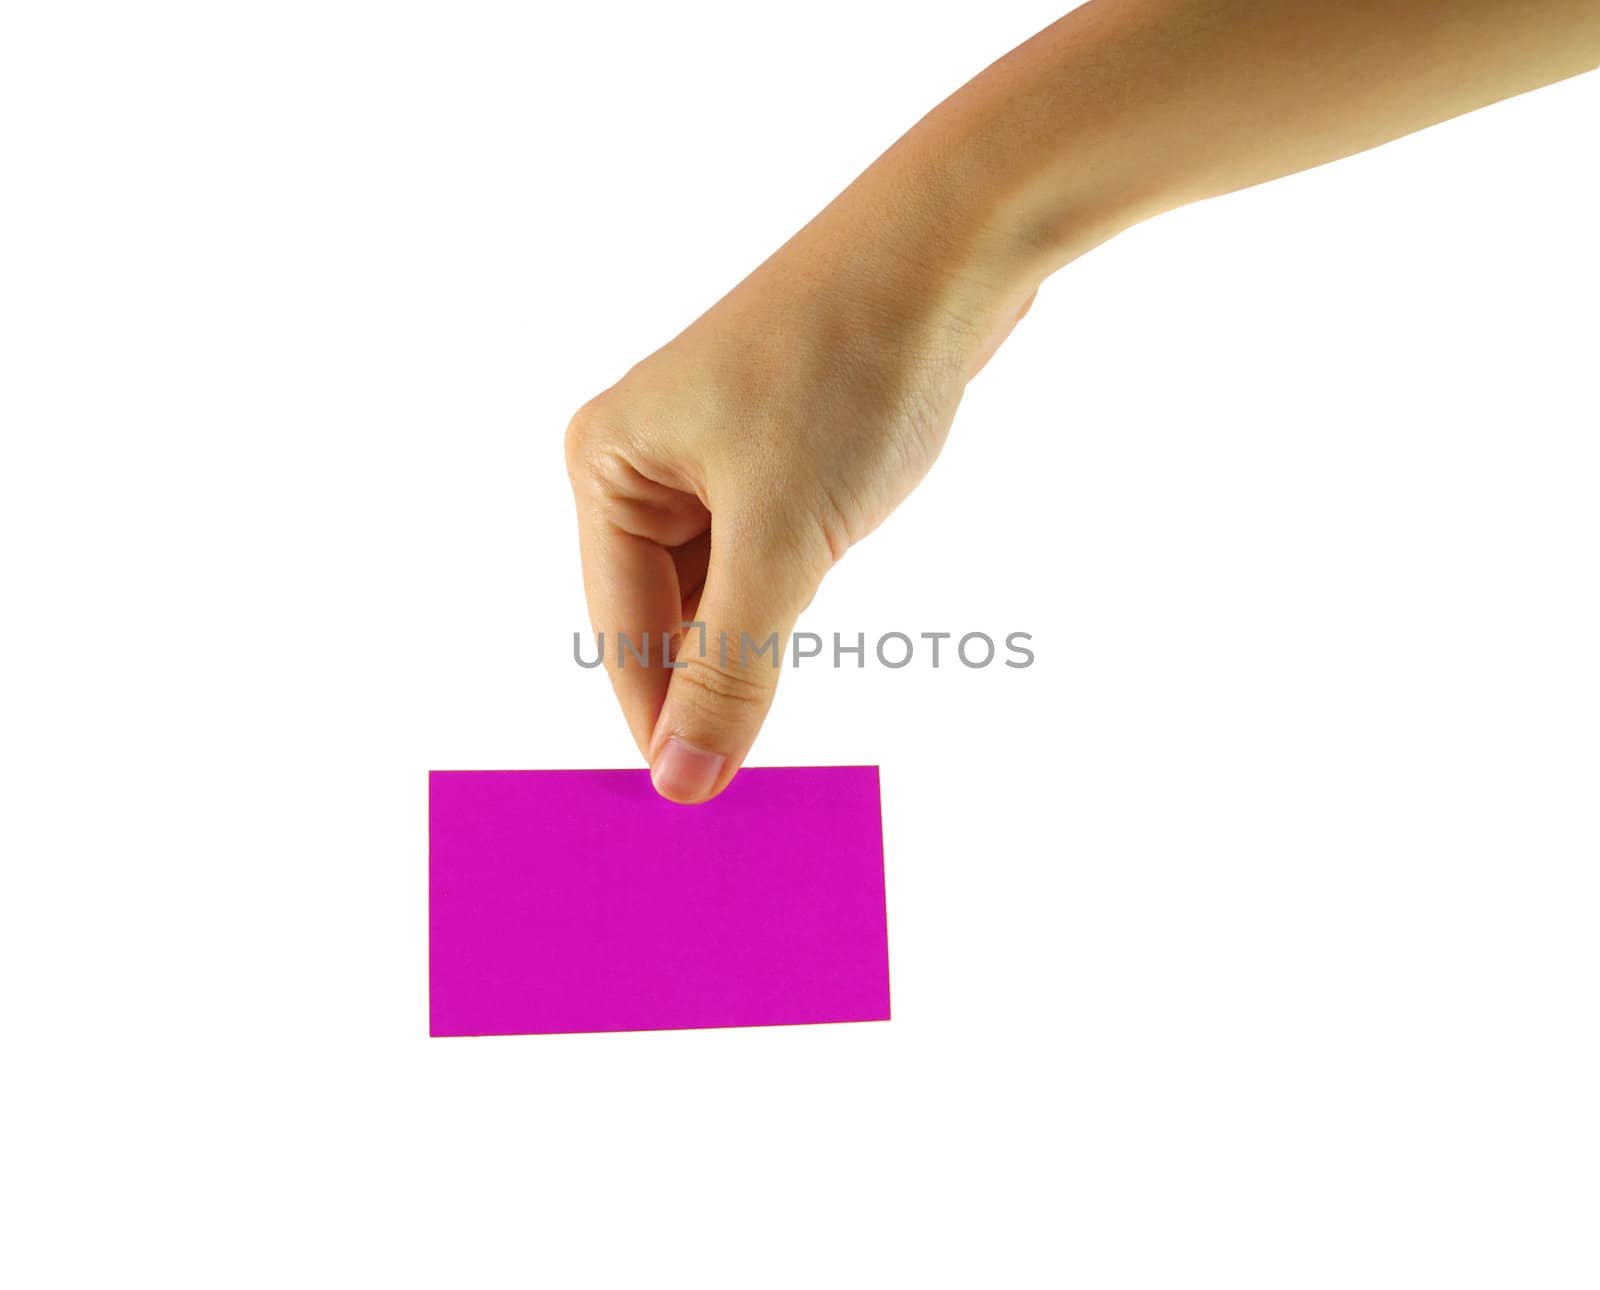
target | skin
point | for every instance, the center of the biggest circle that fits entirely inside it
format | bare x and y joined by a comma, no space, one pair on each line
725,474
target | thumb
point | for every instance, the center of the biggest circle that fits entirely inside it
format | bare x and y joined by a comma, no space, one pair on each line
726,669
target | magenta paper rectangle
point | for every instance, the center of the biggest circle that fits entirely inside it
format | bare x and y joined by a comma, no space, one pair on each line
579,900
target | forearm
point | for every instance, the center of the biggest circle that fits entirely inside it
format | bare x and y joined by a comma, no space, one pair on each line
1127,108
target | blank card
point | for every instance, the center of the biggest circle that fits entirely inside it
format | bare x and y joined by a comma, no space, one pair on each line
579,900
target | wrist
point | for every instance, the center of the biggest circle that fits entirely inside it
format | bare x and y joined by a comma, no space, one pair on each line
920,262
951,229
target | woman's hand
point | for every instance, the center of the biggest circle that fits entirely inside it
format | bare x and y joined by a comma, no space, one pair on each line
723,476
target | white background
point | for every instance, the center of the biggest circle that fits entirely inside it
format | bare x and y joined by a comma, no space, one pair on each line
1247,939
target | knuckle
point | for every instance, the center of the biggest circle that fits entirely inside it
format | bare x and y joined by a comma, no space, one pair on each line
588,434
713,684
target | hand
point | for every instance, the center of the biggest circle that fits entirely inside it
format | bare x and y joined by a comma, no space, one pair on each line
724,475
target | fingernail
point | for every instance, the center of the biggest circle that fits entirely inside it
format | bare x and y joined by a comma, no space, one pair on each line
683,772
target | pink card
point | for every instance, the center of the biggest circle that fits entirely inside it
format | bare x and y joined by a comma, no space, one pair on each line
579,900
